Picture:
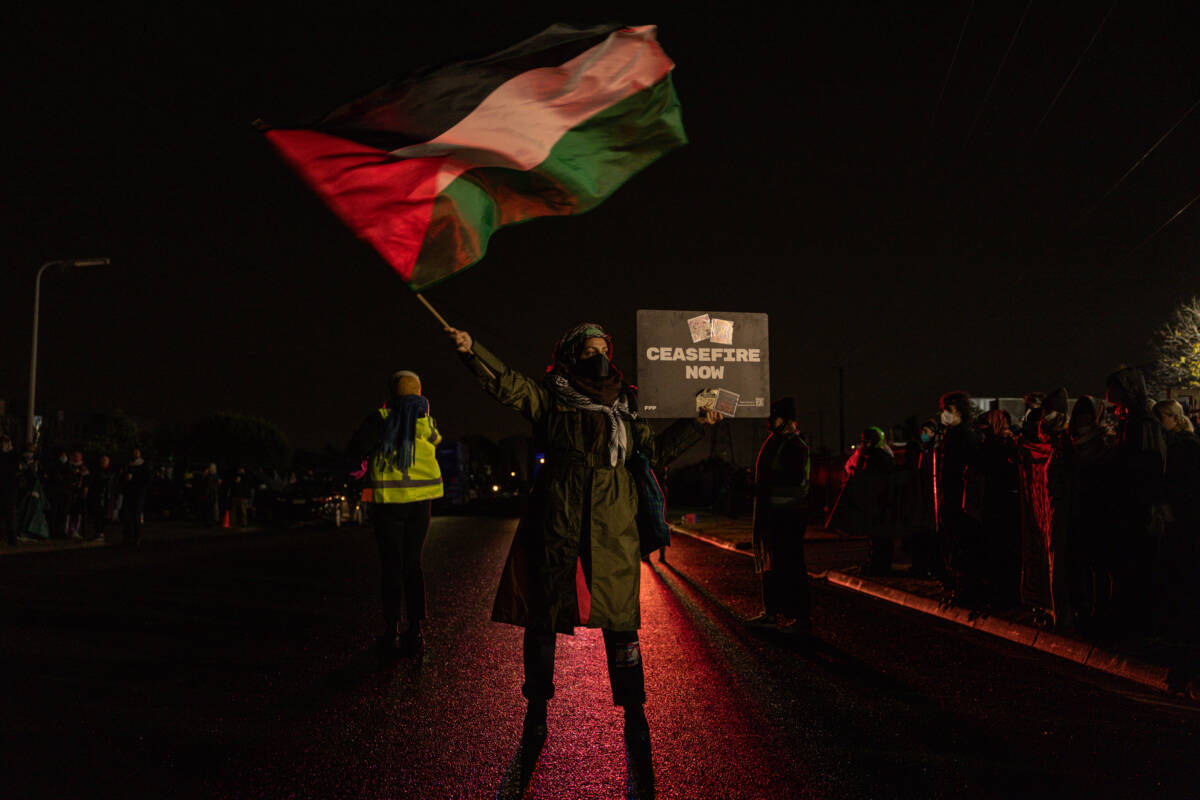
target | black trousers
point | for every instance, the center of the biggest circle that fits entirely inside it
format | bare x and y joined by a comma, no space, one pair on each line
400,530
131,519
8,516
785,584
621,650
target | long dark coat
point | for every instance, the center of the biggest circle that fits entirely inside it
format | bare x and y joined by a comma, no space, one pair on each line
576,494
781,484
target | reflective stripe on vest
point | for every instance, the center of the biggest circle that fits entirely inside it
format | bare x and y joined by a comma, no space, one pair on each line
421,481
400,484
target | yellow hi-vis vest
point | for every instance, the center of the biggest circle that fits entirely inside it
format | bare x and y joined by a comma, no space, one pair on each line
423,480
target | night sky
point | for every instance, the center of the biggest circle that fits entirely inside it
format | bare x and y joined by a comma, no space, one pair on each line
972,250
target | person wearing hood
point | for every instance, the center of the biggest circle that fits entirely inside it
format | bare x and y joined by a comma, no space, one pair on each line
1140,501
576,557
1181,539
1183,467
399,443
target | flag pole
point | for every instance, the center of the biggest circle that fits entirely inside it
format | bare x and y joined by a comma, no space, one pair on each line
433,311
445,324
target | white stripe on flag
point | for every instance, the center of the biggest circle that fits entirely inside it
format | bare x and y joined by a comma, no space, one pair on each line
517,124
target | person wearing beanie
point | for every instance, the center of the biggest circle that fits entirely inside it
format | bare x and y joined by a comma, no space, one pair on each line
781,480
576,557
399,443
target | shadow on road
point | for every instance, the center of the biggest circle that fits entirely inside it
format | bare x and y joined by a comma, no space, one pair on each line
639,768
515,782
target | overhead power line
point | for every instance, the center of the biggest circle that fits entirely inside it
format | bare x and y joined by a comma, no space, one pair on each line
1071,74
999,69
950,69
1173,217
1138,163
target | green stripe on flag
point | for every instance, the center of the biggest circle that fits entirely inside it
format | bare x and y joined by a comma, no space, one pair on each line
583,168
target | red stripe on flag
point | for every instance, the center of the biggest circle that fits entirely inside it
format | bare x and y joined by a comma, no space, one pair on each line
387,202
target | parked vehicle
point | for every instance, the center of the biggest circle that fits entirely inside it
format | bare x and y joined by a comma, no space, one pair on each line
335,502
454,461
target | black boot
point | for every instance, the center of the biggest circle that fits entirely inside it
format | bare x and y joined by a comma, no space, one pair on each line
535,721
411,641
388,646
637,729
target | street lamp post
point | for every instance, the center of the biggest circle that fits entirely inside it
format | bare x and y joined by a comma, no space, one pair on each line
37,297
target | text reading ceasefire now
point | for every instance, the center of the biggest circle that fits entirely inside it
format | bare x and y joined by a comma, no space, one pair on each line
730,355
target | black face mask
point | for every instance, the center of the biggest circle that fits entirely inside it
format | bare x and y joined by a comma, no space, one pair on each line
596,366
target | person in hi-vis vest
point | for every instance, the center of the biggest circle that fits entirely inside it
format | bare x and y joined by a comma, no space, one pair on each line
399,444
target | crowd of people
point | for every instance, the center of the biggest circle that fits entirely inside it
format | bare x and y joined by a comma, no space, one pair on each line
69,499
1088,512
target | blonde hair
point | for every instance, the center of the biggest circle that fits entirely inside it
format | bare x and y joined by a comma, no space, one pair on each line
1172,409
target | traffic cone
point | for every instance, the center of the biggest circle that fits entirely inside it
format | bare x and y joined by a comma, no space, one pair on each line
225,521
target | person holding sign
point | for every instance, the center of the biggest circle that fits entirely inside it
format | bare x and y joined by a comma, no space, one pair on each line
575,559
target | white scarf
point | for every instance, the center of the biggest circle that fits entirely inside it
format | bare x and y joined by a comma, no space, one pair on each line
614,414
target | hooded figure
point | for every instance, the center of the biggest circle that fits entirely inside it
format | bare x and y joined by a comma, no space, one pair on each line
1180,542
1139,495
576,558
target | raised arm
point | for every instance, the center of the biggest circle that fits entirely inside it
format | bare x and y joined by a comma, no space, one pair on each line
667,446
510,387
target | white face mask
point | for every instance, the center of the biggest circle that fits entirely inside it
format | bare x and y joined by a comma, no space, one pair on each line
948,418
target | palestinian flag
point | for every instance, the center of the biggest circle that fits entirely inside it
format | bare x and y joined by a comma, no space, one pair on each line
428,166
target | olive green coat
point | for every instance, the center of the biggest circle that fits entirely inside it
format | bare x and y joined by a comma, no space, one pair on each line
542,586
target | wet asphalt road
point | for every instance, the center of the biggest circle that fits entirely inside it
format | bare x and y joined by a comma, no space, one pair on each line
240,667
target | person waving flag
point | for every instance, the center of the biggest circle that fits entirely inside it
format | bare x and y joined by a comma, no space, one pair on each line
427,167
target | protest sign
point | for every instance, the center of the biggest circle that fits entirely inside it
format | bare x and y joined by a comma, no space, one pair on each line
689,360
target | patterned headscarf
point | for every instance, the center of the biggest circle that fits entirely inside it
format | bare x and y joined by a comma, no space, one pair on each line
609,401
569,346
